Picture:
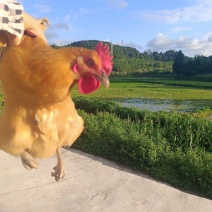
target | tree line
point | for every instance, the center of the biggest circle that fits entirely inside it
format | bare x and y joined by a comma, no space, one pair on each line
188,66
128,60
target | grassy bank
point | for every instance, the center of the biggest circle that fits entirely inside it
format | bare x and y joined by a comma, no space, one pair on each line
174,148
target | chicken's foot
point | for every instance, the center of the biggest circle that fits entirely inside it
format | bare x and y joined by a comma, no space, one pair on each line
59,168
28,161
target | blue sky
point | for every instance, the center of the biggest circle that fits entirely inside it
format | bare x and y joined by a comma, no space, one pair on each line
158,25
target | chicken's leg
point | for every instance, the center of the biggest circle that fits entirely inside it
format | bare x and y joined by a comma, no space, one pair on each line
28,161
59,168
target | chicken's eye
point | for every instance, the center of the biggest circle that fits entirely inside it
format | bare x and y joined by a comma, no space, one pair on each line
90,62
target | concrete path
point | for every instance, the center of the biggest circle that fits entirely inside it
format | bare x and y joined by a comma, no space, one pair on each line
91,184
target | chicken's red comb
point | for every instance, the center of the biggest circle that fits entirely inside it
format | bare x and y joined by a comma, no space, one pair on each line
104,53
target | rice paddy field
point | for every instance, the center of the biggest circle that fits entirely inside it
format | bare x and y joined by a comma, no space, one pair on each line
125,88
156,94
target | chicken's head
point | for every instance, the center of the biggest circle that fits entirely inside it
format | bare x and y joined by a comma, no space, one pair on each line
94,68
35,71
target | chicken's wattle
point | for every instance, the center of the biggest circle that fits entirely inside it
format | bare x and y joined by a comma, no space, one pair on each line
88,84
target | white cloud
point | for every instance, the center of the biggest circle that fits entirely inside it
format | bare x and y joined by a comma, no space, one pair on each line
210,38
161,41
50,35
60,42
87,11
59,26
83,11
180,29
120,4
133,45
200,10
129,44
189,46
67,17
43,8
57,29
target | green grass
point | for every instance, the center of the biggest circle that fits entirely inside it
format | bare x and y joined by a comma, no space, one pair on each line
158,89
185,83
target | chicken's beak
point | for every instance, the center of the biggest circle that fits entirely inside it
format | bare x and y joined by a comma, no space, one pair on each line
103,78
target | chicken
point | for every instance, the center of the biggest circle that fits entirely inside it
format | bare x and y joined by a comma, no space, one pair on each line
39,116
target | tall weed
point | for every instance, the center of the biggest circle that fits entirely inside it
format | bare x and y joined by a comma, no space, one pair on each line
179,129
141,145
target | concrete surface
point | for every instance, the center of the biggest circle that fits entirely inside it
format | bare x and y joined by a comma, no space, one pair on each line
91,184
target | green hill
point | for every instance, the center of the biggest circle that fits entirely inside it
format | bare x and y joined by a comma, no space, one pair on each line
128,60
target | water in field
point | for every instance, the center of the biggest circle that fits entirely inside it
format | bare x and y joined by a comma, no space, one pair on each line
164,105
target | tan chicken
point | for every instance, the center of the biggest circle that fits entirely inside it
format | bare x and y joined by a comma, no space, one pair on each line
39,116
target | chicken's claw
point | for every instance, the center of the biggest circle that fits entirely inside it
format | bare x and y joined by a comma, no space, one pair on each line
59,172
28,161
59,168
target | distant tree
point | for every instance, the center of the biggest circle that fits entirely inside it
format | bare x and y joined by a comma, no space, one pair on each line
55,46
179,64
186,66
